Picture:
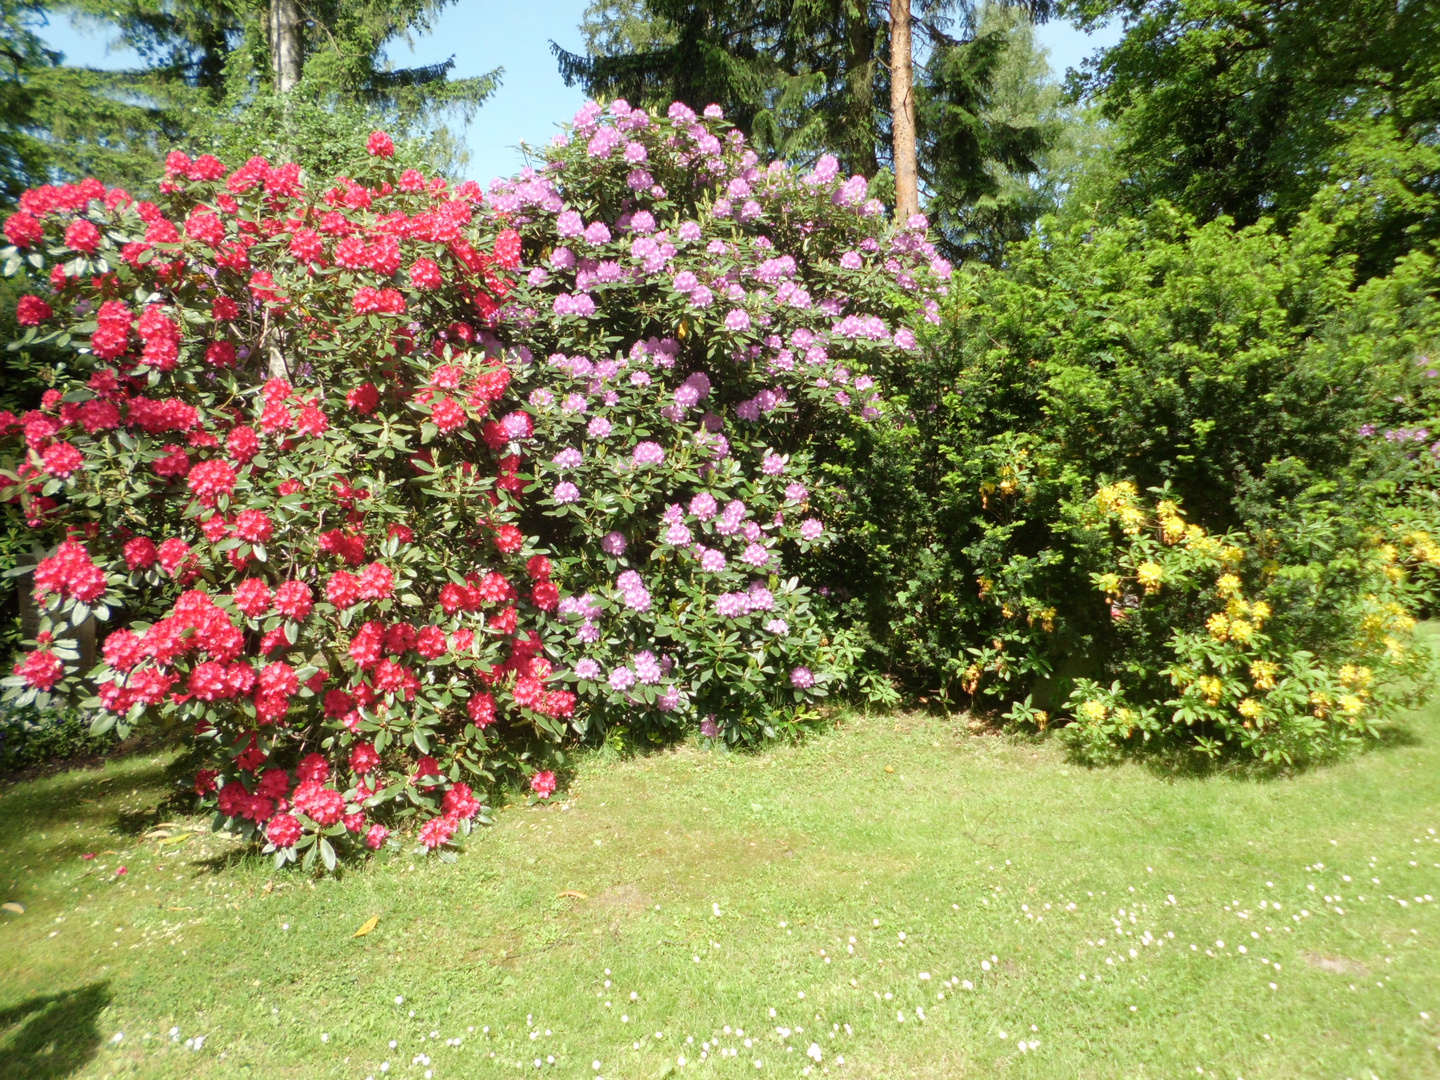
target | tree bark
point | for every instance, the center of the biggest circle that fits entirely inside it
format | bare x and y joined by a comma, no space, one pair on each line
286,56
902,111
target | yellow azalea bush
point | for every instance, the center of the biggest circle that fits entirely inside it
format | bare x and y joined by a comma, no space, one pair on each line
1284,644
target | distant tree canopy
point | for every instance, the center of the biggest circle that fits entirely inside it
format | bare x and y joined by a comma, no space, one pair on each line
803,77
211,78
1257,108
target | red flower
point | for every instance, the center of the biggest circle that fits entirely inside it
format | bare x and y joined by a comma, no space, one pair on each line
507,249
283,831
481,709
173,465
437,831
380,145
220,354
538,567
61,459
82,236
41,669
543,784
546,595
425,274
460,802
313,767
32,311
23,230
363,758
294,600
376,837
363,399
140,553
209,480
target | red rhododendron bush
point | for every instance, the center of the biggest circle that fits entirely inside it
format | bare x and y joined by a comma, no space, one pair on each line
381,487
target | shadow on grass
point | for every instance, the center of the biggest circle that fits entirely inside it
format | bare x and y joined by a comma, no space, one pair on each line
53,1035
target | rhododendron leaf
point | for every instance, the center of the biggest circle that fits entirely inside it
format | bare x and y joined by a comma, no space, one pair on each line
102,723
418,738
368,925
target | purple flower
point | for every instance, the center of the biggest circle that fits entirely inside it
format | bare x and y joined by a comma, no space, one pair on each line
701,297
761,598
778,627
639,378
648,453
796,492
755,555
732,605
541,398
566,492
689,231
737,319
677,535
647,668
693,390
773,465
825,171
635,153
703,506
904,338
670,700
569,458
802,678
598,428
597,233
810,529
622,678
574,403
714,112
685,281
588,669
851,260
712,561
709,728
642,221
613,543
568,224
1366,430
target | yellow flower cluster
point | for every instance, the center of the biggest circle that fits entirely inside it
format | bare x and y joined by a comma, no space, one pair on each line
1262,674
1151,574
1092,712
1210,688
1118,500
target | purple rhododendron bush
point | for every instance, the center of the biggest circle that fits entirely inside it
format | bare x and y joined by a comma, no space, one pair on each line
380,490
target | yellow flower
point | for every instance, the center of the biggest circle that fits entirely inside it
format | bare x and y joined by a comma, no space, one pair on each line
1228,585
1388,552
1237,608
1249,708
1320,702
1041,718
1241,631
1151,574
1355,678
1219,626
1395,648
1172,530
1232,554
1262,674
1109,584
1351,704
1131,518
1260,611
1092,712
1210,688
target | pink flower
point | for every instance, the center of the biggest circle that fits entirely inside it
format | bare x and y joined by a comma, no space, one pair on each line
437,831
380,145
543,784
376,837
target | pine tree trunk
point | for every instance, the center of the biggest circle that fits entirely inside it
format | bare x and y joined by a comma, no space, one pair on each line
286,59
902,111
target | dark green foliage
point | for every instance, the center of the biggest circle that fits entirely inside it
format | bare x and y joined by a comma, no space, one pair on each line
1232,367
31,736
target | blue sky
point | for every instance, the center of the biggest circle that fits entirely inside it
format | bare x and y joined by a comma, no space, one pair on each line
482,35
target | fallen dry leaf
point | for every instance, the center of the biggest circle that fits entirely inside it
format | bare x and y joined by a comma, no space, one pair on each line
571,892
11,905
368,925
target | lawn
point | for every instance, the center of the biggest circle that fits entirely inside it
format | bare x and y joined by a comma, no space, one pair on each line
896,897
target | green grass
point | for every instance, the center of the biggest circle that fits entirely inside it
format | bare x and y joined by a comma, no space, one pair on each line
1005,867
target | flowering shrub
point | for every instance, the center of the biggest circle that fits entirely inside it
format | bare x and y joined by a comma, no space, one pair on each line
1267,646
701,328
384,486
